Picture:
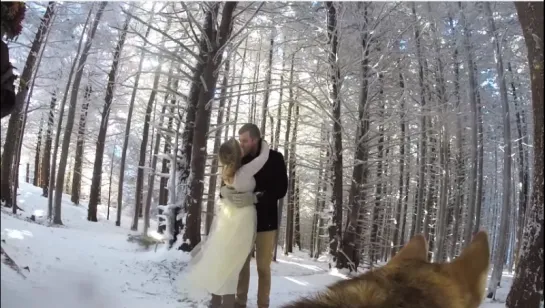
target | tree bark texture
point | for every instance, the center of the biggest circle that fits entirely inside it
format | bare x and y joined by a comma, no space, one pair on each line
14,125
527,288
72,113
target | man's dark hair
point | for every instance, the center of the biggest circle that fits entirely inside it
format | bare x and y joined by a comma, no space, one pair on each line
252,129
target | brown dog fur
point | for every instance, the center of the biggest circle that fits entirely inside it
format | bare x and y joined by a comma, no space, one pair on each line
410,281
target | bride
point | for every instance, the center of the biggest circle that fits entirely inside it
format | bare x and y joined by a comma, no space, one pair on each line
217,262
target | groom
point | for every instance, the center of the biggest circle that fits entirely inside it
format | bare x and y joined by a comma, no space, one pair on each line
271,185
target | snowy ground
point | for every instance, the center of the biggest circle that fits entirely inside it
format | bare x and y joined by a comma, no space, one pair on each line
88,265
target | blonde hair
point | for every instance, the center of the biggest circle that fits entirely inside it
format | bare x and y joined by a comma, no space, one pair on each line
230,156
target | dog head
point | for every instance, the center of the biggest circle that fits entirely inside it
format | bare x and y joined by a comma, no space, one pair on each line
410,281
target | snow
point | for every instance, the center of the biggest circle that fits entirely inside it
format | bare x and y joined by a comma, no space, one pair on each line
91,264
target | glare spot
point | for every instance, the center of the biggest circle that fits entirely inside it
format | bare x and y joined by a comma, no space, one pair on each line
17,234
301,283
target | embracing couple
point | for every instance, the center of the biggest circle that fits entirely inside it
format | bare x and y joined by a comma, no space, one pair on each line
254,179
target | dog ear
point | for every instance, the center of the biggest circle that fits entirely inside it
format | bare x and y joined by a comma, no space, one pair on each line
470,269
415,249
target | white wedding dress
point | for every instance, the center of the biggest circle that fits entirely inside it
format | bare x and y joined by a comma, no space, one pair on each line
217,262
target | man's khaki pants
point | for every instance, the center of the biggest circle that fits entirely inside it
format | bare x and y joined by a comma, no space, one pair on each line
264,249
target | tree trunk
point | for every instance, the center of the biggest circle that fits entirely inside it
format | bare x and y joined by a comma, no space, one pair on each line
241,80
297,214
22,126
162,201
76,180
71,116
110,180
460,174
138,209
52,173
121,180
14,126
288,245
501,245
46,158
163,182
94,194
212,183
470,219
357,194
480,154
406,195
268,81
68,179
279,110
527,288
335,230
255,84
315,233
417,222
275,146
153,164
401,200
432,143
378,209
230,101
212,58
523,169
441,218
36,180
27,175
185,157
293,210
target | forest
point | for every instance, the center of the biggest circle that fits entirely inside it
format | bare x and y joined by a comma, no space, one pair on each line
394,119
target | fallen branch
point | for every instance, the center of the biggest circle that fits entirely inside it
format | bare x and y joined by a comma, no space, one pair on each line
7,260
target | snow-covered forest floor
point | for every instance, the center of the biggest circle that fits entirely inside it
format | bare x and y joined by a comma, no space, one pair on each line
87,265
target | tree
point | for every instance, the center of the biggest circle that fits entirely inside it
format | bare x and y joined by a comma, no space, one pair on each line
527,289
212,58
14,126
460,174
138,208
46,158
417,222
185,157
440,231
268,82
121,181
212,184
76,179
523,169
402,201
163,183
254,86
335,230
21,133
468,229
501,244
153,164
36,181
99,153
377,211
360,172
75,61
241,79
293,236
288,247
71,115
